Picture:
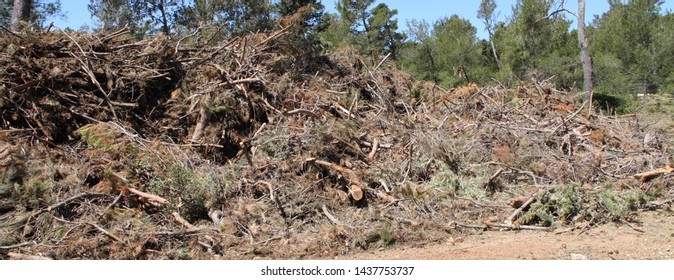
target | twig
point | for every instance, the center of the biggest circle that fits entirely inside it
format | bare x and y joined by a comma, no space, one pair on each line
130,188
635,228
586,227
69,200
382,146
411,222
349,114
380,62
517,211
111,204
184,222
87,70
480,204
518,227
375,146
301,111
507,226
493,177
332,218
153,197
15,245
354,105
99,228
268,240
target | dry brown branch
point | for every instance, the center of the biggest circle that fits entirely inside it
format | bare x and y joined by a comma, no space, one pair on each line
275,35
184,222
355,188
481,204
486,226
410,222
381,62
87,70
492,178
634,227
301,111
69,200
151,197
9,247
102,230
518,227
129,188
332,218
344,110
375,146
517,211
586,227
648,175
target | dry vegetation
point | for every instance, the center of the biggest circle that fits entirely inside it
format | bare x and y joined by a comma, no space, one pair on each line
114,148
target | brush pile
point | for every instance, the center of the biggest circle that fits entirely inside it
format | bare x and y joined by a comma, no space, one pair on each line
117,148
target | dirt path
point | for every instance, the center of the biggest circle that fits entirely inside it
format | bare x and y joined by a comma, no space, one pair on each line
609,241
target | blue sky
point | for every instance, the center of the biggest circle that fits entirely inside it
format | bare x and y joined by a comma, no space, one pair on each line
430,10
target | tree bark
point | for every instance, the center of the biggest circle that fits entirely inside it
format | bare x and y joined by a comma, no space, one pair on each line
584,56
493,49
20,14
165,25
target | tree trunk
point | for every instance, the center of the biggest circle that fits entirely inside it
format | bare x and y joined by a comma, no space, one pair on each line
20,14
164,21
493,49
584,56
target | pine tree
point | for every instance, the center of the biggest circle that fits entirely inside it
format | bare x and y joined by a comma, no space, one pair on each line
39,12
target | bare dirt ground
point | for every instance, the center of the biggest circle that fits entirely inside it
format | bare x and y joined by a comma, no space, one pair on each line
605,242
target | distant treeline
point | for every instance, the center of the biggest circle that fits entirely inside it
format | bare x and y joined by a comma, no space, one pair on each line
631,45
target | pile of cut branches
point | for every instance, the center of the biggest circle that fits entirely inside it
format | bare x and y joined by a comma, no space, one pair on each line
113,147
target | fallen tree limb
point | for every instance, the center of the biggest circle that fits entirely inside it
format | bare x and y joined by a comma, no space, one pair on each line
648,175
519,210
152,197
486,226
